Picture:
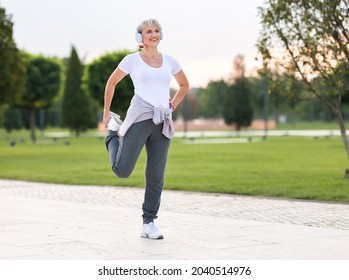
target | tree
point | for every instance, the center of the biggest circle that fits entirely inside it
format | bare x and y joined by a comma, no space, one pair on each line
237,107
42,83
98,73
11,63
76,110
239,68
212,98
308,41
12,119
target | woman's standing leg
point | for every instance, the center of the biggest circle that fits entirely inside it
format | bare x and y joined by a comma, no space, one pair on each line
157,147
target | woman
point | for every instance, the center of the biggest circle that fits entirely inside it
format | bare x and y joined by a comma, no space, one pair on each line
149,118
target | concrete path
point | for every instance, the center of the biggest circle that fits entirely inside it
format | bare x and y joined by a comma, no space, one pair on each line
63,222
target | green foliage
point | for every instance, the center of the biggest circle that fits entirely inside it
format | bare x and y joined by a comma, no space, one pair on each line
308,41
98,73
237,105
42,83
12,119
76,107
314,36
43,77
342,70
237,108
212,98
11,63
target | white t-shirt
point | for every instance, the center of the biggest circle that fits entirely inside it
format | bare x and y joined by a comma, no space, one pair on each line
150,83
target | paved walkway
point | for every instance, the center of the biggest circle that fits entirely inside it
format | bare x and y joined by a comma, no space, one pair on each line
49,221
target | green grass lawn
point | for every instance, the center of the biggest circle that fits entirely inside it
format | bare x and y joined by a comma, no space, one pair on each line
290,167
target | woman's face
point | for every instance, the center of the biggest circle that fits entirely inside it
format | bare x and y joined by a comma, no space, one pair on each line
151,35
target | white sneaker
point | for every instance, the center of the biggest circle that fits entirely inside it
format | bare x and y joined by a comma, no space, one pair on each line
151,231
115,122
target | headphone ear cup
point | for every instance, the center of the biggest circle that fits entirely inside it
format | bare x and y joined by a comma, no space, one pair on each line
161,35
139,37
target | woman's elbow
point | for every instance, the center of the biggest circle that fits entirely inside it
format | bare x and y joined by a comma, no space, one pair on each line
185,87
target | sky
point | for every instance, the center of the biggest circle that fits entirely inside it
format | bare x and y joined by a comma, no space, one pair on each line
203,35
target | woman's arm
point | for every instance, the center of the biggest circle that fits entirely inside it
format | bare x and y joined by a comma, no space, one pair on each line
113,80
183,84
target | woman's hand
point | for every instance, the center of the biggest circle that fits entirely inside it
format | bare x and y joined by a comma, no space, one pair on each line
106,119
172,105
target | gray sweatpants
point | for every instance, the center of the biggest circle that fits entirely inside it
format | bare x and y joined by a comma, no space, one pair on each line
124,152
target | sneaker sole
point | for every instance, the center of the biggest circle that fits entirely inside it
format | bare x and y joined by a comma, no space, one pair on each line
147,236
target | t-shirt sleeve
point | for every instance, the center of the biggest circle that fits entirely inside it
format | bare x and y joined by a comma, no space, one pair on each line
125,64
176,67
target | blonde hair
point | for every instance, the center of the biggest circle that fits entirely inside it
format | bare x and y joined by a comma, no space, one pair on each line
144,23
148,22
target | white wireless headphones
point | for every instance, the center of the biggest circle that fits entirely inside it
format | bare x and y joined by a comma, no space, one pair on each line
139,37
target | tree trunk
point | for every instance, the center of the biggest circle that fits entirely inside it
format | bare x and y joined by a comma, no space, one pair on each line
342,129
32,123
338,114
